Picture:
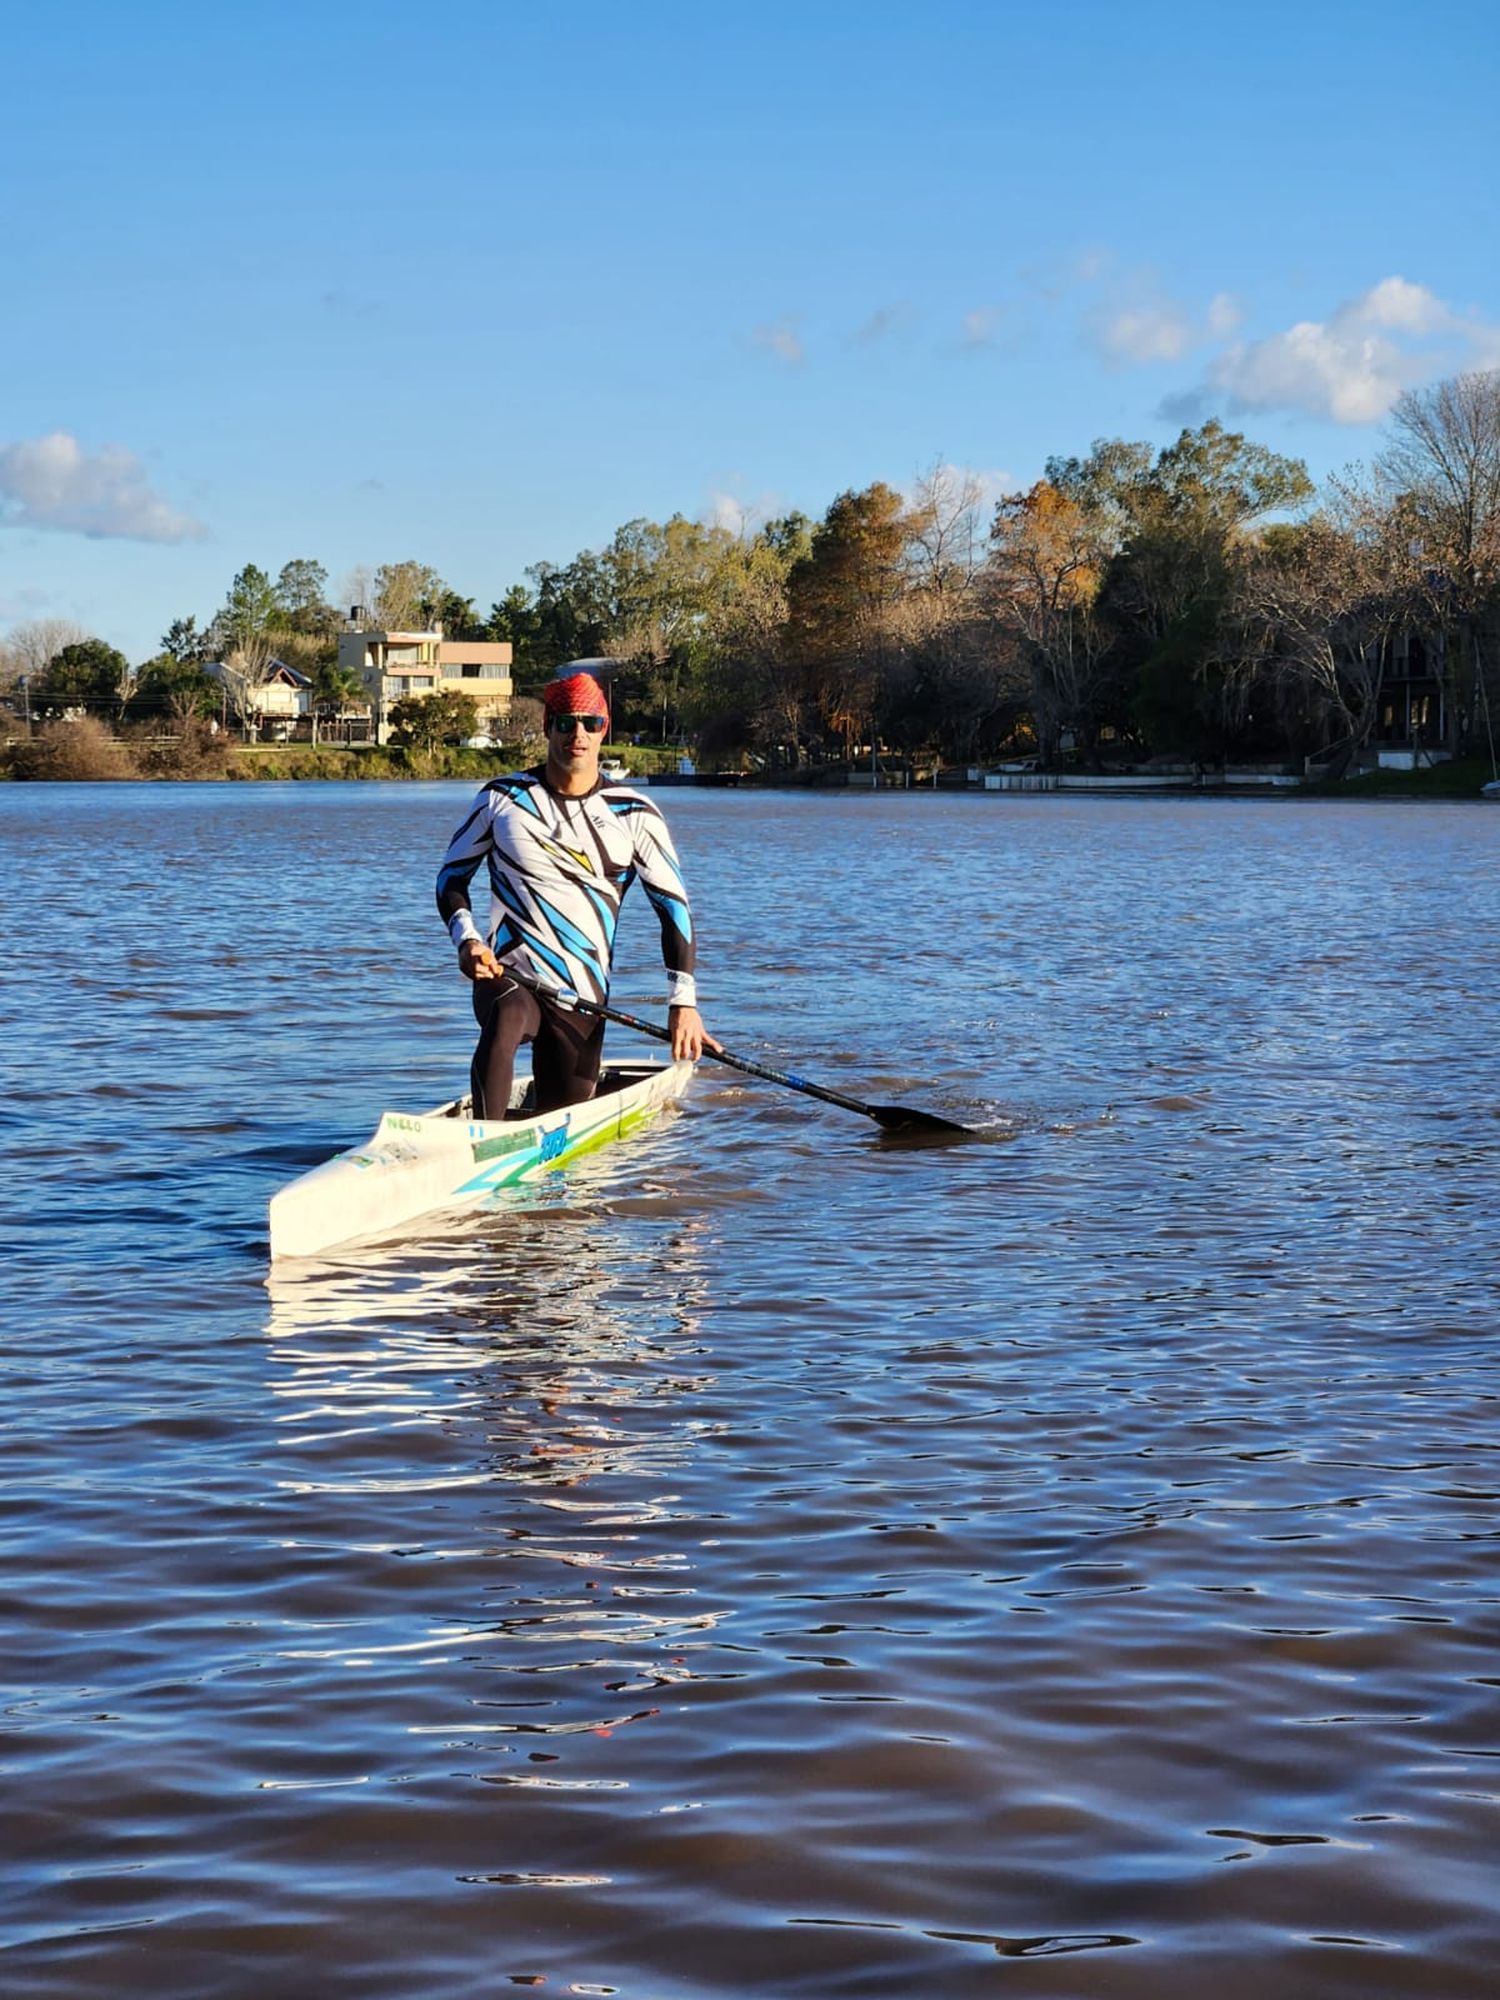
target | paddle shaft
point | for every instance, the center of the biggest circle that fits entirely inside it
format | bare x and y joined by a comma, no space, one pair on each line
880,1113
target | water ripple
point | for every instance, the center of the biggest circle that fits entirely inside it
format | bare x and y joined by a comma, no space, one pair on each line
763,1560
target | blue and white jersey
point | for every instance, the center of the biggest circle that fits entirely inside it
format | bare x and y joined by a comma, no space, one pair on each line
558,872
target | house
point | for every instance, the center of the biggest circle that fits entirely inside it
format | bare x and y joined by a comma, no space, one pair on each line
393,665
1411,722
270,699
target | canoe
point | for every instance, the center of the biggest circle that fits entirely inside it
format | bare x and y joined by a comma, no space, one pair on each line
420,1164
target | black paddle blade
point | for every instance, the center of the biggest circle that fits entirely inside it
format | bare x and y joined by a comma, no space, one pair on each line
902,1122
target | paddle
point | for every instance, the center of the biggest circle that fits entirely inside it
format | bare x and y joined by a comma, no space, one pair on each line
896,1118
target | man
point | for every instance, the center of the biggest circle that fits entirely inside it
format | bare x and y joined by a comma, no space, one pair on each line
562,847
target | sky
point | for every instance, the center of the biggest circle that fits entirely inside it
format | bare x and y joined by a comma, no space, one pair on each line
475,284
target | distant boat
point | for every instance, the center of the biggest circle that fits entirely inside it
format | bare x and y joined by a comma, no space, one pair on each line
1491,790
613,769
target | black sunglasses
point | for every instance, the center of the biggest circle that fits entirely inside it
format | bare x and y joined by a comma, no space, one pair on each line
594,724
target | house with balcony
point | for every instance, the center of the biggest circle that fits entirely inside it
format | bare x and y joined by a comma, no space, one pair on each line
268,701
394,665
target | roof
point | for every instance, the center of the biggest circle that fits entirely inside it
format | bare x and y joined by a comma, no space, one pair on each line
275,670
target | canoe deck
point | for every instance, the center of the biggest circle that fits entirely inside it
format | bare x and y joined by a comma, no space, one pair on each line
418,1164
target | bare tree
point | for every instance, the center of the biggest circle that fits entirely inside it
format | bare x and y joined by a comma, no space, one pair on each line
1444,453
402,591
945,532
239,676
30,648
357,590
1313,613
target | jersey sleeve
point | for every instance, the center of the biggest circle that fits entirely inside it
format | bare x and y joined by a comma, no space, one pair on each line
468,847
660,875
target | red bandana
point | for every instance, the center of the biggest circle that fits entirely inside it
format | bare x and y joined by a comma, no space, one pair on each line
579,694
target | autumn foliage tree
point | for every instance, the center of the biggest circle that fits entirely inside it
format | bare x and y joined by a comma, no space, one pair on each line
1049,551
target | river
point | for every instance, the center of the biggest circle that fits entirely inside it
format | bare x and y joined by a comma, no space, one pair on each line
763,1560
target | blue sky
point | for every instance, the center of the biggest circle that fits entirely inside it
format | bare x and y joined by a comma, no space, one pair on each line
474,284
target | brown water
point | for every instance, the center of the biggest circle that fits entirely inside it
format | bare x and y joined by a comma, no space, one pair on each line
769,1562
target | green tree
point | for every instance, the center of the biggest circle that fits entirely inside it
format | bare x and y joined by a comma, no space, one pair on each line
301,593
515,619
457,616
425,721
661,583
88,674
752,690
168,689
183,642
335,686
571,617
1169,526
247,623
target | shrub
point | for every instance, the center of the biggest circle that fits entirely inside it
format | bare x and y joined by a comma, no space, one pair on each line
84,749
199,752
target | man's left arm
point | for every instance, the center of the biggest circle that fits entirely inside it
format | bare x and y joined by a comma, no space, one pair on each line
661,877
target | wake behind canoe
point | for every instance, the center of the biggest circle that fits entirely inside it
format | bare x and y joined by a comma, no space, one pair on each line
419,1164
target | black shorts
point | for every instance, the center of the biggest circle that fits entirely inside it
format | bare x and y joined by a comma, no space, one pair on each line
566,1048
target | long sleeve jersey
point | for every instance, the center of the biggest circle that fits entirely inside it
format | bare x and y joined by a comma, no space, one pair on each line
558,872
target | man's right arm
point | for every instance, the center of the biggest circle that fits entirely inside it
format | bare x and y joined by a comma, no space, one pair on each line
466,850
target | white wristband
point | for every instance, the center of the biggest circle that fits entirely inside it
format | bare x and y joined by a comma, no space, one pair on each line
463,929
682,990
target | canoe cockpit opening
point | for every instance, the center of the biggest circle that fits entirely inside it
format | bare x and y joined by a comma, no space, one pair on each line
615,1076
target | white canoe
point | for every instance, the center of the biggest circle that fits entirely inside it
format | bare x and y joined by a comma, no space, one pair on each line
422,1163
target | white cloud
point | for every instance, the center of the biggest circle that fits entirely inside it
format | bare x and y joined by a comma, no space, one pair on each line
1136,325
725,509
783,340
52,482
1352,366
1397,304
1322,370
994,486
1160,332
1224,315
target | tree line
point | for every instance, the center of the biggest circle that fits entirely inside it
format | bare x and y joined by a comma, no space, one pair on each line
1200,601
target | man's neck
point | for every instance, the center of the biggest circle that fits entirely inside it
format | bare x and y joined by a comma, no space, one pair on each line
568,783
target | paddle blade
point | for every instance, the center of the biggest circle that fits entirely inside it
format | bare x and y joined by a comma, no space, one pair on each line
903,1122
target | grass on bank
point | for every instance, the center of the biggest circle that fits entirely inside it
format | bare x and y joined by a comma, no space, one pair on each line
1460,778
300,760
86,750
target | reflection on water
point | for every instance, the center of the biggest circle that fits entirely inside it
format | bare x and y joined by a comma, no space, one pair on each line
768,1560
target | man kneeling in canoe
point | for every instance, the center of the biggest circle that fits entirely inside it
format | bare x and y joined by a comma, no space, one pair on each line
562,846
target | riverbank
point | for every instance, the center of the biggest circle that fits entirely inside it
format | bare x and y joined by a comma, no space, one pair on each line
86,753
87,756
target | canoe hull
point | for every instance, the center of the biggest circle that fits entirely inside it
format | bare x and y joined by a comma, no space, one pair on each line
419,1164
